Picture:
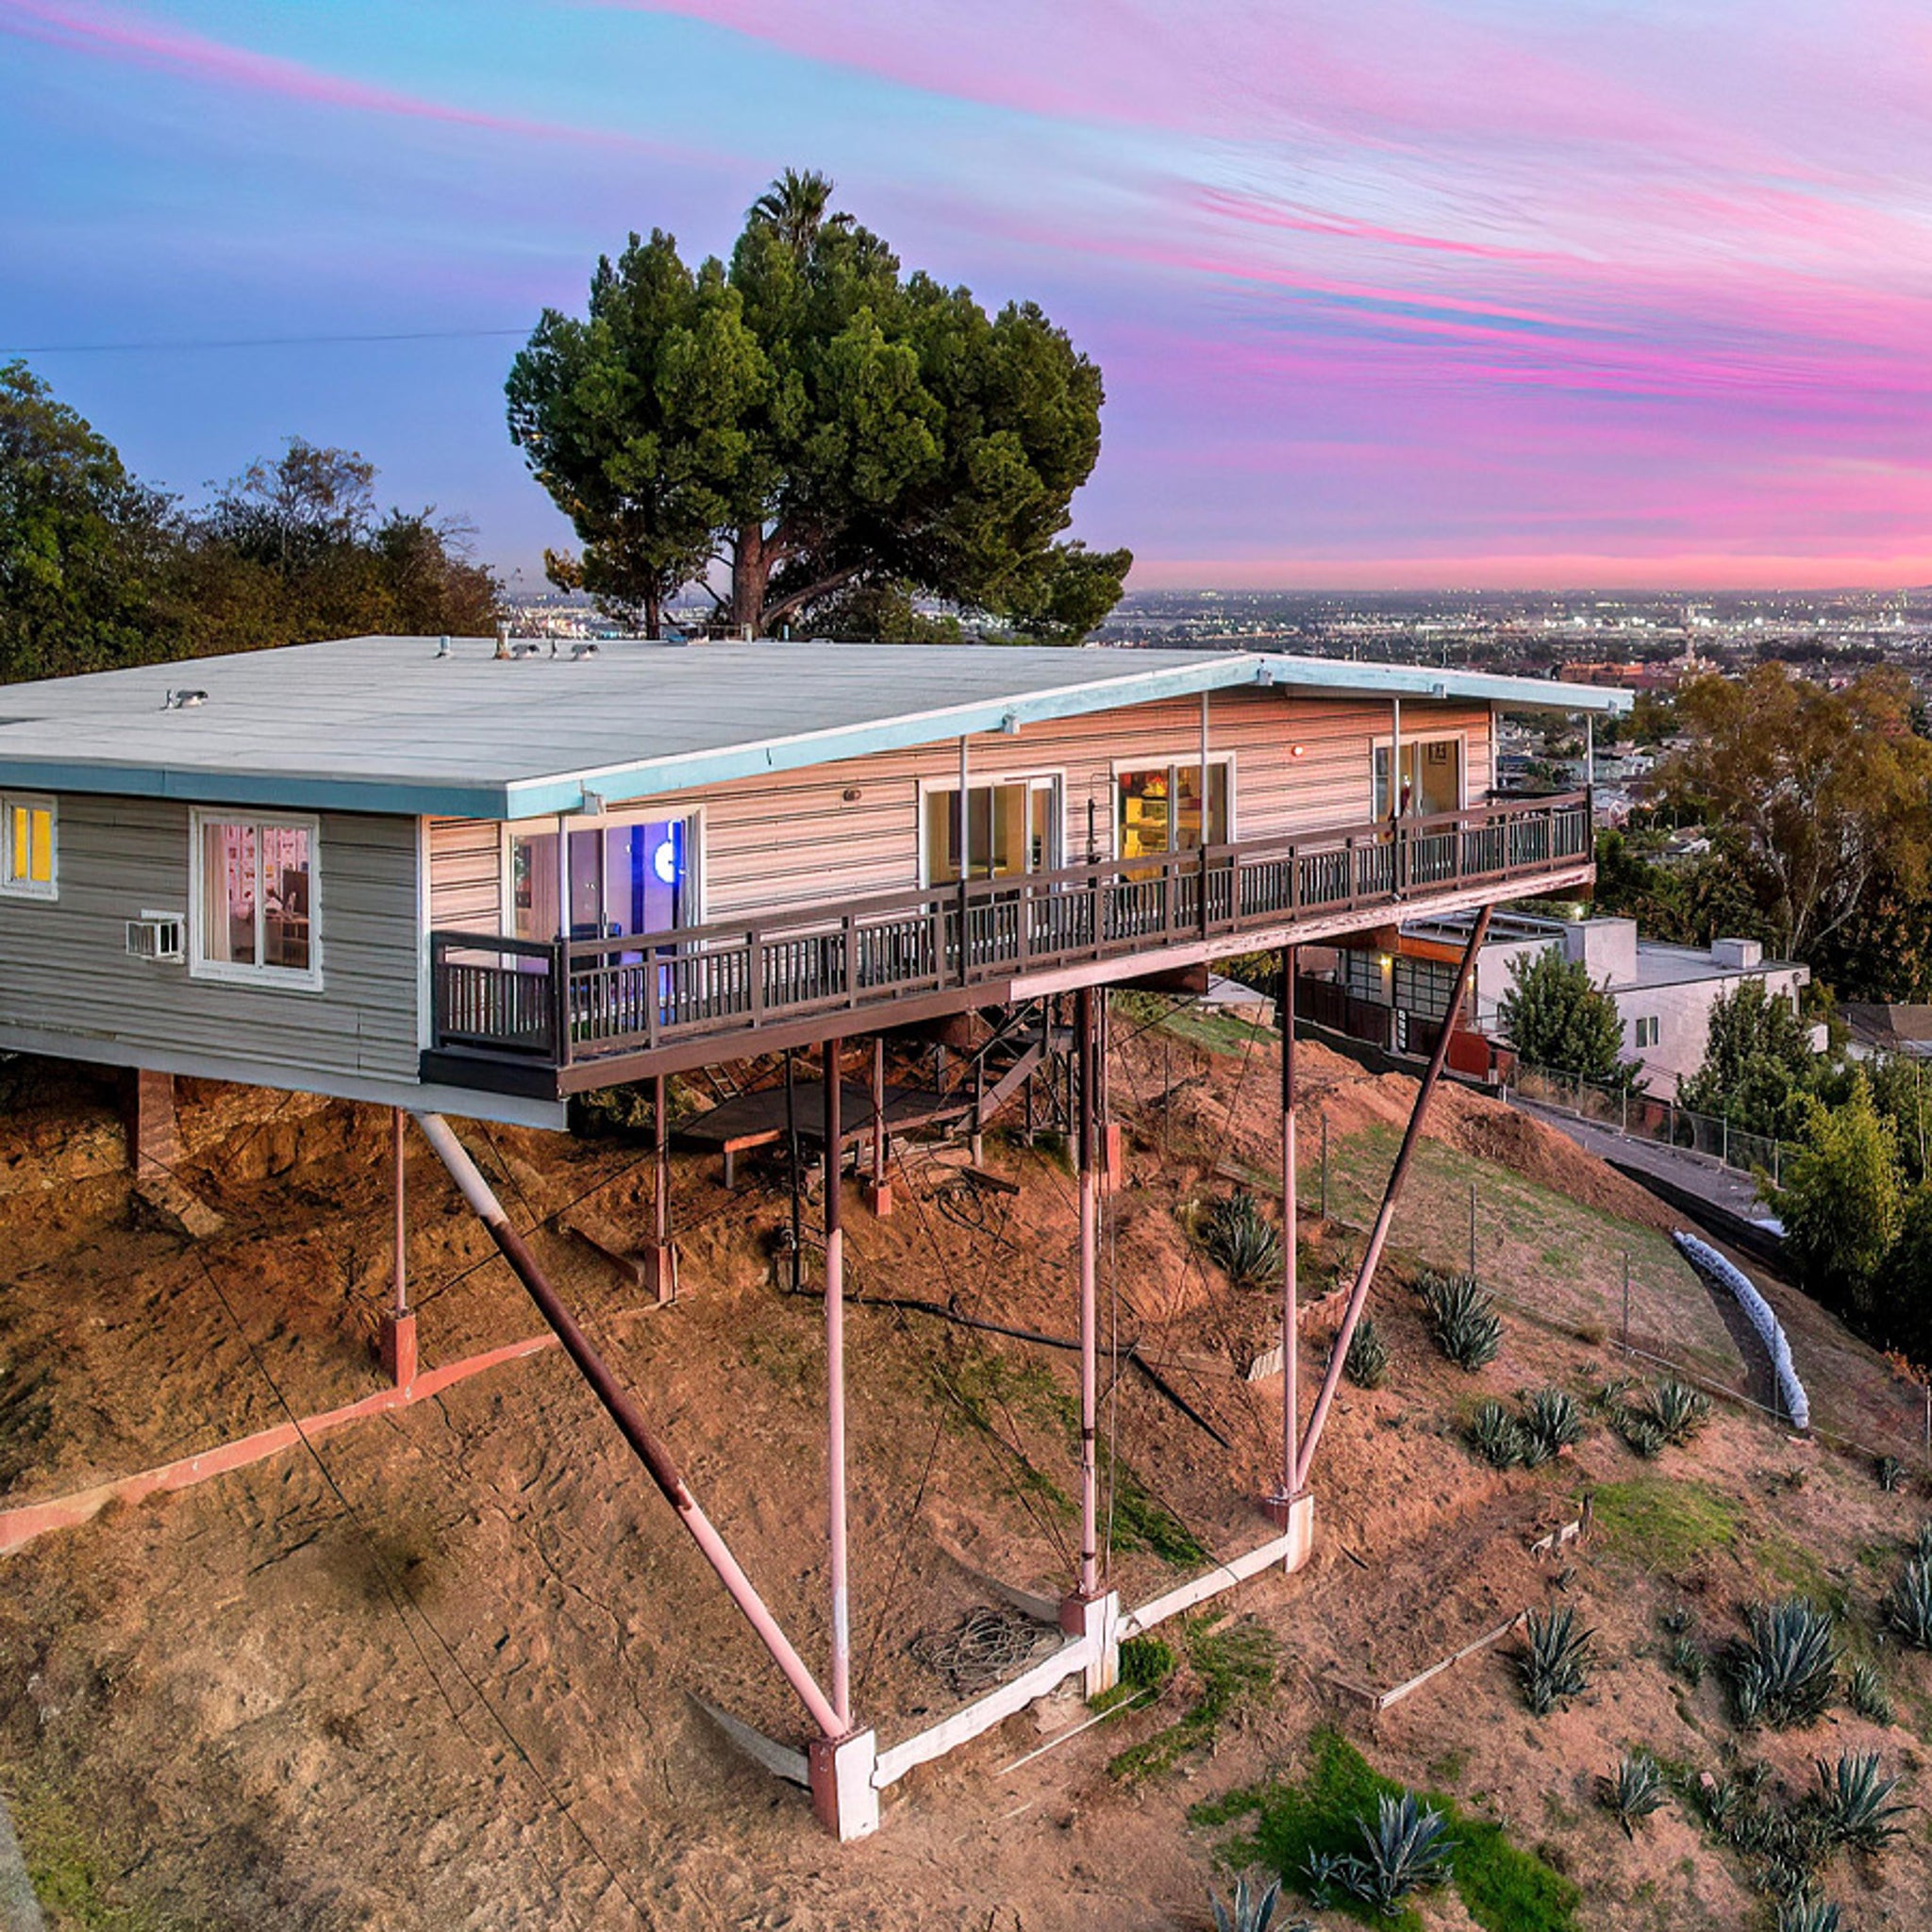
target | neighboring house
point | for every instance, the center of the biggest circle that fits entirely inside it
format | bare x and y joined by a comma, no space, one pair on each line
1395,993
481,879
1873,1030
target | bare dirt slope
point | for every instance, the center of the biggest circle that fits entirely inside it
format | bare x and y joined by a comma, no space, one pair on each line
440,1673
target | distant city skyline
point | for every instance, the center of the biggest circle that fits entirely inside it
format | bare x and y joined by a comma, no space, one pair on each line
1388,294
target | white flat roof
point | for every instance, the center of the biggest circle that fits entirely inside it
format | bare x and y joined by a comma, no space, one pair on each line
386,724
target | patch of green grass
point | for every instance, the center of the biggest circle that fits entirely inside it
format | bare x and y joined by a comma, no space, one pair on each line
1664,1523
1503,1888
76,1870
1141,1520
1234,1664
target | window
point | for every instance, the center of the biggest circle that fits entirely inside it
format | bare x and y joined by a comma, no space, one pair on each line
252,888
1647,1031
27,846
627,877
1012,828
1423,987
1431,777
1159,808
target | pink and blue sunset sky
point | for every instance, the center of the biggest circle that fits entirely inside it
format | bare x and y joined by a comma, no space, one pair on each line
1387,293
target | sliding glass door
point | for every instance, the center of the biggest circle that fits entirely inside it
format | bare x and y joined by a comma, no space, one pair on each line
623,880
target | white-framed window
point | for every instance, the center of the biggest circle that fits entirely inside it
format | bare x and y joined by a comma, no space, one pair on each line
1648,1029
1013,828
1157,806
29,861
253,901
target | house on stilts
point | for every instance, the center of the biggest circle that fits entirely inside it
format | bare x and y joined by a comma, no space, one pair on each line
480,876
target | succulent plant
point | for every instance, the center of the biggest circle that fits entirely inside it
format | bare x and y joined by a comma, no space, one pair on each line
1804,1911
1553,1663
1865,1693
1890,1473
1241,1242
1687,1661
1922,1544
1406,1850
1678,1411
1783,1674
1641,1432
1909,1604
1552,1419
1247,1911
1367,1362
1635,1791
1462,1318
1497,1436
1853,1802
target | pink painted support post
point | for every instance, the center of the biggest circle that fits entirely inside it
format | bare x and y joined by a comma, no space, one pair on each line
835,1398
1090,1301
1378,1234
878,1194
629,1420
1279,1504
399,1324
661,1258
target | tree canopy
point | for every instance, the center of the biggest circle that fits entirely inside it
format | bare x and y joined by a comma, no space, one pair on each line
1556,1018
1758,1063
1843,1201
818,422
1821,794
99,570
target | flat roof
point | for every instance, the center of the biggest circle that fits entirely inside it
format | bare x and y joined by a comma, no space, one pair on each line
387,725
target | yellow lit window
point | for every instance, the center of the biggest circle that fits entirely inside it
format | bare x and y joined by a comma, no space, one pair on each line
27,846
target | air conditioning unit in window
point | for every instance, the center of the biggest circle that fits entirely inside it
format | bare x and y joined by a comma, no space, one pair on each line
156,935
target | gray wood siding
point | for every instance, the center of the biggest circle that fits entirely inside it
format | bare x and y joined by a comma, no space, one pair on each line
794,840
64,967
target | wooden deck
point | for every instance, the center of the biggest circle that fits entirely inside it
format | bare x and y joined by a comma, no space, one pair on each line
556,1017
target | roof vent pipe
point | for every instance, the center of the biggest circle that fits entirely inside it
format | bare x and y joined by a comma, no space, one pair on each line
442,649
503,637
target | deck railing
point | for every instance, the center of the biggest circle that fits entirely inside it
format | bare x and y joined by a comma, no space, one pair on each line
632,994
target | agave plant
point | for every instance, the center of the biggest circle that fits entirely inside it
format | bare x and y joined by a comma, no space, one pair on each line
1241,1242
1890,1473
1639,1429
1908,1603
1634,1792
1462,1318
1865,1693
1686,1660
1497,1436
1555,1661
1922,1544
1783,1674
1853,1802
1247,1911
1367,1362
1677,1410
1804,1911
1723,1808
1552,1420
1406,1851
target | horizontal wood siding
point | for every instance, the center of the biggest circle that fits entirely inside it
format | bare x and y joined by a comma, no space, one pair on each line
466,875
795,839
64,967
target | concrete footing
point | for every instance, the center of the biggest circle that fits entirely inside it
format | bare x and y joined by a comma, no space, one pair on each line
840,1771
1295,1517
878,1198
1098,1619
397,1348
660,1273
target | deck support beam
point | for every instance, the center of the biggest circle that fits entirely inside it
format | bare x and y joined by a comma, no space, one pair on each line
835,1398
878,1190
1281,1504
661,1257
630,1423
398,1346
1378,1234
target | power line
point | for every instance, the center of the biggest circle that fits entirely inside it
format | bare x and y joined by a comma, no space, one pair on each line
192,347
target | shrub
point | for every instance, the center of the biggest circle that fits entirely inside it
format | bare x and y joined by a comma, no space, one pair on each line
1865,1693
1634,1792
1495,1436
1853,1802
1909,1604
1552,1420
1783,1674
1553,1662
1241,1242
1367,1362
1462,1318
1678,1411
1406,1850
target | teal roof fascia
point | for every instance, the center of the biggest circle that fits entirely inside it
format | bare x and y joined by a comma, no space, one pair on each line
1419,681
265,790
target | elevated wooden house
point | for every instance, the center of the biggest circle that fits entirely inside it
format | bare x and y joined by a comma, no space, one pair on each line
442,876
